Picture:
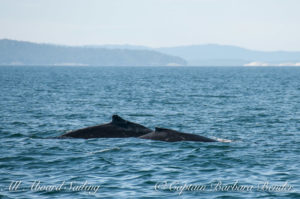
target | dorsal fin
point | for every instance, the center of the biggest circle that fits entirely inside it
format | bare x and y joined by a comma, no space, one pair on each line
158,129
117,119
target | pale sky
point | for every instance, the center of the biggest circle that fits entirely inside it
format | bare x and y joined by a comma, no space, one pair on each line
253,24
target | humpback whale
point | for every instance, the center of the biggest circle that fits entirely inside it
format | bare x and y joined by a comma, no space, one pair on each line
117,128
169,135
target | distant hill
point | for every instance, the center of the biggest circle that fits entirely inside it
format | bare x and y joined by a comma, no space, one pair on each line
224,55
120,46
26,53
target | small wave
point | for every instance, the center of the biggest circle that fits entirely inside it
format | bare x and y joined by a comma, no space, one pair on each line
16,135
141,115
104,150
222,140
214,96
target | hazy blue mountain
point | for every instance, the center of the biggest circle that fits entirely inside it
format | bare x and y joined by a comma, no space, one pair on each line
120,46
222,55
26,53
18,52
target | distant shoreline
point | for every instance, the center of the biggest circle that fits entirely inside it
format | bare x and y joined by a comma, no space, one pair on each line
14,52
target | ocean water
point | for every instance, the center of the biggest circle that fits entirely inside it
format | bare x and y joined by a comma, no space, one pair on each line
257,108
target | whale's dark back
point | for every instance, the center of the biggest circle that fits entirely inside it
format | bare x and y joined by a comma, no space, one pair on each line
169,135
117,128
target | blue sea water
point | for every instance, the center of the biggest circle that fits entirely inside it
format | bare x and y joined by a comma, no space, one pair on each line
257,108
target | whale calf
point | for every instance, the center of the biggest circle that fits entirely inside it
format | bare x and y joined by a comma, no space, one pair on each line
169,135
117,128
